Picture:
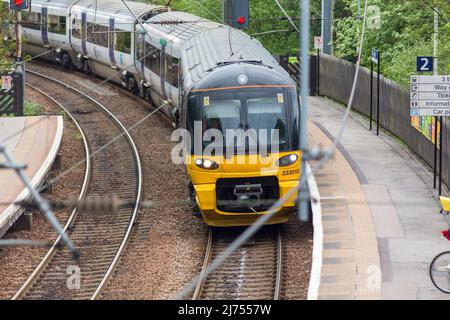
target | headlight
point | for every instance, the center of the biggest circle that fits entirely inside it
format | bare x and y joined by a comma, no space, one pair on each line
206,164
287,160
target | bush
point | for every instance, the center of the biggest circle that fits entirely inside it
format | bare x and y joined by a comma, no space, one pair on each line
32,109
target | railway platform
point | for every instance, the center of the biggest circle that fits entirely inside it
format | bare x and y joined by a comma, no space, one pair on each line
37,146
380,216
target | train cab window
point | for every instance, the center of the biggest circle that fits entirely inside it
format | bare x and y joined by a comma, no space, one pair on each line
122,41
57,24
31,20
268,113
97,34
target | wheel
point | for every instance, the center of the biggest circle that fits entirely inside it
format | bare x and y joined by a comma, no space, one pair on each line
66,62
440,271
132,85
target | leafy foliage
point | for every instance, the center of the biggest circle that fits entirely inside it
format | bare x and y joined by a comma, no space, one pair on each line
406,29
6,46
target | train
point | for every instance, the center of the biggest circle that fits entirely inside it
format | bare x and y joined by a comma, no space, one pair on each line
210,79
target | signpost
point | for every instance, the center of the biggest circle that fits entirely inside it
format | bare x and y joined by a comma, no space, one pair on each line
430,96
375,58
318,45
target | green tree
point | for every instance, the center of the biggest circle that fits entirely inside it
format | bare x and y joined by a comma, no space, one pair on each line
6,44
406,30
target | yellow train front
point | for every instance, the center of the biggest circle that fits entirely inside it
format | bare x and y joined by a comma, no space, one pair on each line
243,127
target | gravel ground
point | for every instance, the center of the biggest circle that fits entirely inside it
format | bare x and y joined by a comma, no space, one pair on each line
168,243
297,258
17,263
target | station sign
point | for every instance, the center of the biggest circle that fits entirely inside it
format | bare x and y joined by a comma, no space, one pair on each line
6,83
424,64
430,95
375,55
318,43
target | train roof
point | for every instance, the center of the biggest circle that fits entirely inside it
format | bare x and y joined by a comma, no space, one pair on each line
205,44
116,8
188,26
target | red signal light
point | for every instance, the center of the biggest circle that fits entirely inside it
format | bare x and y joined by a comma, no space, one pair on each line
241,20
19,3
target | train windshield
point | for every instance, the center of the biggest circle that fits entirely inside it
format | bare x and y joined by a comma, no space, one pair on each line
248,121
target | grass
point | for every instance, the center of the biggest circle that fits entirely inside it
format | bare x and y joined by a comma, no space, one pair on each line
78,136
32,109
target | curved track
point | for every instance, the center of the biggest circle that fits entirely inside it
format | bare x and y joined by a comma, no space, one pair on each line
252,272
113,167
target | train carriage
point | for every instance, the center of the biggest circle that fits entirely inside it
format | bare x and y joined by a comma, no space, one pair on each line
211,80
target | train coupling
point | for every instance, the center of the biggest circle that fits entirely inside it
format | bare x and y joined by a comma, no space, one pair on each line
249,193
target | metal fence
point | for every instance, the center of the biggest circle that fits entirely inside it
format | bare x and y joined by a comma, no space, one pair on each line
11,94
336,77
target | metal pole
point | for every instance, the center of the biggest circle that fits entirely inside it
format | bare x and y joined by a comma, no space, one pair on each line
435,71
19,53
436,41
318,72
371,94
304,87
358,18
378,94
327,25
440,155
435,151
18,30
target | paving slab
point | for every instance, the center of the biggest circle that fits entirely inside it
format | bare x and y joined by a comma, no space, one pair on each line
402,204
35,142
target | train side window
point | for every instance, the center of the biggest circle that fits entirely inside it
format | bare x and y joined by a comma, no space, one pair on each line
57,24
168,68
76,28
98,34
172,70
148,52
123,41
152,58
32,20
140,47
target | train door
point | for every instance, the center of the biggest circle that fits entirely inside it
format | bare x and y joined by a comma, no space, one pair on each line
44,26
111,43
139,53
76,30
84,33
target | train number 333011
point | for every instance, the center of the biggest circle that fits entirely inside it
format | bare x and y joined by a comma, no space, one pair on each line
290,172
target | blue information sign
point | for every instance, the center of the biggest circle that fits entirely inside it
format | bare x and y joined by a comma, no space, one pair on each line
375,55
424,64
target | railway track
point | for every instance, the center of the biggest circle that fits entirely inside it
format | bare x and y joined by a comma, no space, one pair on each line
101,237
252,272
